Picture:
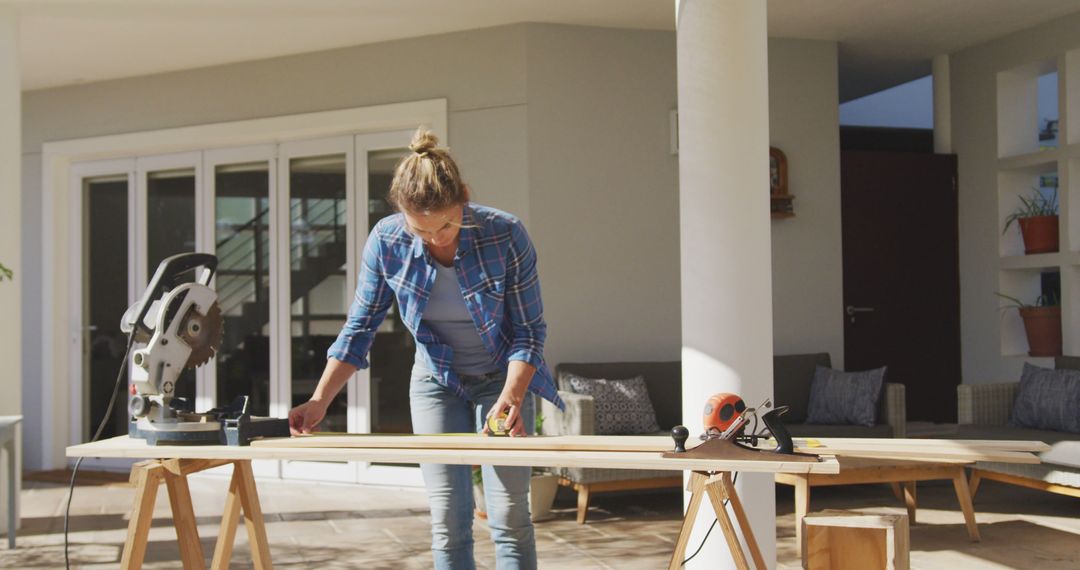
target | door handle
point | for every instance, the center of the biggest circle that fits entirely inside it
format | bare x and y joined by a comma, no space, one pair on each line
852,310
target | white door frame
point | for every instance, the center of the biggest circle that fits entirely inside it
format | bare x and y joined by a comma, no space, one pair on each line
360,391
79,427
61,227
343,145
206,395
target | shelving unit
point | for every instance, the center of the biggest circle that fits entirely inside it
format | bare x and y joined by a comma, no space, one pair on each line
1024,163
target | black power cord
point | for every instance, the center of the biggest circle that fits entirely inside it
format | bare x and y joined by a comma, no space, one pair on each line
712,526
97,434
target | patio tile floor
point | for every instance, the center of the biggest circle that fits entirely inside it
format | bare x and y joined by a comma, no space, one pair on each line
334,526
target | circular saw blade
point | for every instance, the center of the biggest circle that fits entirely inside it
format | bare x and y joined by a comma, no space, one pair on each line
203,333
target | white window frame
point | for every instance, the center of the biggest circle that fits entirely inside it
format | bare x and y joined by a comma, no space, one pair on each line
369,473
345,472
206,393
80,427
61,227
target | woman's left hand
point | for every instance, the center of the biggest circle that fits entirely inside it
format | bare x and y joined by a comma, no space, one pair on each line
518,377
515,426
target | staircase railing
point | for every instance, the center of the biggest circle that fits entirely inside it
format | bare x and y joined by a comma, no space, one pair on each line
246,251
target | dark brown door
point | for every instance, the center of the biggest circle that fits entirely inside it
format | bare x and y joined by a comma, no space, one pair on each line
902,274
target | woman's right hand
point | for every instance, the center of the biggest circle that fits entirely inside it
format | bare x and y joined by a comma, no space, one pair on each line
304,418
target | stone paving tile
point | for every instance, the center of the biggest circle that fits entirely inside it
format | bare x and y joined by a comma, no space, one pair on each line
333,526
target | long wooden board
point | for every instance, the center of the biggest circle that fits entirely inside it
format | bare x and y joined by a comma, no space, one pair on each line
910,449
125,447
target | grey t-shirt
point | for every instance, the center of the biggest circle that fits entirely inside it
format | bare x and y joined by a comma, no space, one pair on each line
448,316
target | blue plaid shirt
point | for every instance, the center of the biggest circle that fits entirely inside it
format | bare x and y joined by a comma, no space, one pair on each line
496,268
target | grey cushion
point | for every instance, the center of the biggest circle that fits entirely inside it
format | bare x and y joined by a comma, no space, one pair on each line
1047,399
664,381
845,398
622,406
792,375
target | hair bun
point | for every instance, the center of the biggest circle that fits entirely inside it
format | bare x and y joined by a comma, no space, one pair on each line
423,141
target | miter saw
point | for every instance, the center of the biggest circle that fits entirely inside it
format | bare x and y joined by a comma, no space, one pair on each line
181,326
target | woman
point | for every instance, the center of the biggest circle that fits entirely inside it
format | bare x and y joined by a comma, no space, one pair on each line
465,279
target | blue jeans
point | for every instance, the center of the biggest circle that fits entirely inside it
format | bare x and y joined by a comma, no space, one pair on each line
506,489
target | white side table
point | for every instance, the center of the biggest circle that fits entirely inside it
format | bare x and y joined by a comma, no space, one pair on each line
8,430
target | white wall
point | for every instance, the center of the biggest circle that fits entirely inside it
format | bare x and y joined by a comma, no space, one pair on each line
974,128
603,191
808,293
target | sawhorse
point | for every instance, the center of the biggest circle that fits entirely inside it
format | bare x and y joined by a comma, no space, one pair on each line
719,488
242,498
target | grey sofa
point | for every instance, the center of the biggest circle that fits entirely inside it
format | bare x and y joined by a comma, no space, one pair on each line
664,383
983,413
792,375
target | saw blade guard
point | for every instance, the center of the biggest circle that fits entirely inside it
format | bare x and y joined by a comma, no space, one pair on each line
187,333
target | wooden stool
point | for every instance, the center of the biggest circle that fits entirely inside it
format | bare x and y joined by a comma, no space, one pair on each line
842,540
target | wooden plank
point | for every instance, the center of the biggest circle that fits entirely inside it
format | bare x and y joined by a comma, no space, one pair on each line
253,517
146,476
186,467
963,495
697,493
122,446
744,522
183,513
621,443
842,442
496,451
979,474
714,490
230,519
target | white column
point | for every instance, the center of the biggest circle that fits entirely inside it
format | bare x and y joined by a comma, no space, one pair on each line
726,253
942,106
10,232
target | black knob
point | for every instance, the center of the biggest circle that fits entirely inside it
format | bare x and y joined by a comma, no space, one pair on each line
680,434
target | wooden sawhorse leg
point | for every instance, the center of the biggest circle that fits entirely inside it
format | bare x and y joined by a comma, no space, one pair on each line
148,475
719,488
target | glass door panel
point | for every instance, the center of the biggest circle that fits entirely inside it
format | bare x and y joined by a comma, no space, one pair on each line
394,348
105,298
170,229
242,242
318,278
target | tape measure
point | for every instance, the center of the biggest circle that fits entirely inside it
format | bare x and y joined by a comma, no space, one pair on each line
496,424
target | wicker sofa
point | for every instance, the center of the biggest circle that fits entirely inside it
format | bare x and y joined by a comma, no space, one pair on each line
983,413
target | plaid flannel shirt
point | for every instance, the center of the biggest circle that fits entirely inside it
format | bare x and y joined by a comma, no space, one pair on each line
496,268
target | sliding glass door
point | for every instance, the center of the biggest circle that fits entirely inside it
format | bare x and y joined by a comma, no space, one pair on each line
287,222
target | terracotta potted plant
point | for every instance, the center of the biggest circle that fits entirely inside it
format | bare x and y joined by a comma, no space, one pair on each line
1042,324
1038,220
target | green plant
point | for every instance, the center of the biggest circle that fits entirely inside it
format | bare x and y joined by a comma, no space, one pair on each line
539,423
6,273
1036,205
1050,300
477,476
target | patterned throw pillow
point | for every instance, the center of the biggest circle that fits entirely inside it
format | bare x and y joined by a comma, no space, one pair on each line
845,398
622,406
1047,399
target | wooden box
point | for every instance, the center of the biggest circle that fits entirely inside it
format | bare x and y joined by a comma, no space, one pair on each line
842,540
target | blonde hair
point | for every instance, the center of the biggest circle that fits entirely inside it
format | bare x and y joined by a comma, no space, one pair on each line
427,180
